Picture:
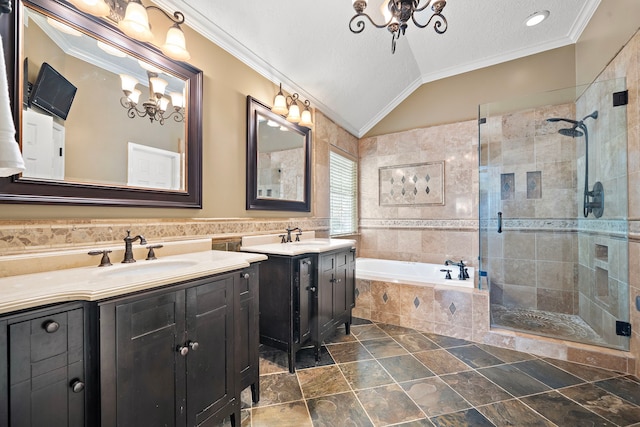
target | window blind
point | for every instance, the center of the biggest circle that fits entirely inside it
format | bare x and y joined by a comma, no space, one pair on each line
343,194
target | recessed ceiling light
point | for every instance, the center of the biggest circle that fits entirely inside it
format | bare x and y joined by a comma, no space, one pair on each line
536,18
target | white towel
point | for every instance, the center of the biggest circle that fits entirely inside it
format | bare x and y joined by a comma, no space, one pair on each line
11,161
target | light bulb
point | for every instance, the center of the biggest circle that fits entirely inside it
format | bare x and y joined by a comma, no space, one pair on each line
294,113
305,118
158,85
175,46
177,99
93,7
136,22
128,83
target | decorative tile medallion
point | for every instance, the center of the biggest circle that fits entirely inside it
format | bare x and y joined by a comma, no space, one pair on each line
414,185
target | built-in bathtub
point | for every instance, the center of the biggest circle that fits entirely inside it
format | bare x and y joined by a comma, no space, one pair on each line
411,273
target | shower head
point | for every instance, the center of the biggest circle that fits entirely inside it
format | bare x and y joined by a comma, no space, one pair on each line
572,132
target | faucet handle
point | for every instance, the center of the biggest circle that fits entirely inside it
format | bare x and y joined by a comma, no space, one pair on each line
448,275
105,261
298,234
152,254
283,238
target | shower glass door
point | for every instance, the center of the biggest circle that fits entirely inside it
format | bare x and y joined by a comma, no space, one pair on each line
553,213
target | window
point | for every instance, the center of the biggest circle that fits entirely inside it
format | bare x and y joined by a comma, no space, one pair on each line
343,194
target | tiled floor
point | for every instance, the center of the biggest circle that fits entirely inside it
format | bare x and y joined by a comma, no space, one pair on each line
384,375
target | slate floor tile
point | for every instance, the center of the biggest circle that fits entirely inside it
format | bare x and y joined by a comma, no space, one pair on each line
474,356
603,403
293,414
414,343
349,352
441,362
547,373
434,396
470,417
405,368
564,412
624,387
513,380
365,374
338,410
513,413
476,388
322,381
389,405
385,347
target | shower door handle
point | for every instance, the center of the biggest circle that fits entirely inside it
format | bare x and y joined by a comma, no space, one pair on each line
499,222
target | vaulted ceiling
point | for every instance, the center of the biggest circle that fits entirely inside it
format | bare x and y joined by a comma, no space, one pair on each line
354,79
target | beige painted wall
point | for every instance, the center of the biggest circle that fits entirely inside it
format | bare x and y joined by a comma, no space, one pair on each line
456,98
227,82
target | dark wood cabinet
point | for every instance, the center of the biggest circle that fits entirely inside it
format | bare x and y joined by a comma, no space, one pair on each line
304,298
42,361
248,331
178,356
336,299
167,357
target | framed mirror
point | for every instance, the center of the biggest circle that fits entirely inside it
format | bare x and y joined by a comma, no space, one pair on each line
82,139
278,161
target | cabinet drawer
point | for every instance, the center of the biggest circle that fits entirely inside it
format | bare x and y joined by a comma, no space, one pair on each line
45,343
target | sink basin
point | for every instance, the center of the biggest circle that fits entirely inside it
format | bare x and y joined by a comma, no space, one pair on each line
312,242
146,267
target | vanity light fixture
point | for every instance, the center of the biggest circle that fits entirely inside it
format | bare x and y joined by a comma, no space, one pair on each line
288,107
135,24
396,14
155,107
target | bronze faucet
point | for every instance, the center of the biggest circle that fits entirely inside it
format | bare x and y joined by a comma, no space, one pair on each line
128,249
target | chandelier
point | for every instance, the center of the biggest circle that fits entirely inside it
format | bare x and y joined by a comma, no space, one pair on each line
156,106
288,107
135,23
397,14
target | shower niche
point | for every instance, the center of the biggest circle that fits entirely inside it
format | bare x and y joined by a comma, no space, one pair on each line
553,213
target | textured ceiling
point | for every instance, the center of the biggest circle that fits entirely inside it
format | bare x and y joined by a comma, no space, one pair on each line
353,78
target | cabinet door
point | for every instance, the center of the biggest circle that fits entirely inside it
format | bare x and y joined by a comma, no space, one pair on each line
210,364
304,297
248,328
325,292
149,368
46,371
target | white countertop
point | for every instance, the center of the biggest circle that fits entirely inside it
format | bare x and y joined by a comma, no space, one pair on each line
271,244
97,283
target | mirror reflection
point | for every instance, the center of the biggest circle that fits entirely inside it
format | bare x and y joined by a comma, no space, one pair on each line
278,161
93,114
281,155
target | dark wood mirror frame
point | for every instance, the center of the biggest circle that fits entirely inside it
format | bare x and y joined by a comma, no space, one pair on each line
253,202
17,190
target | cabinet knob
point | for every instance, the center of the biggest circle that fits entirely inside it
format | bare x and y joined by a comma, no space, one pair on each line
77,386
306,262
194,345
311,288
51,326
183,350
246,275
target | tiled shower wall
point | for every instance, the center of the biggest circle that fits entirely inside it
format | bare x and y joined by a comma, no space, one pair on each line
424,233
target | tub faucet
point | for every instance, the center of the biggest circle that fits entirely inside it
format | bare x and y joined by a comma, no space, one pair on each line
463,274
128,246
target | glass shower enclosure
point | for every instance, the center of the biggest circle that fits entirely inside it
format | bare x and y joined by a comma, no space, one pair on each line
553,213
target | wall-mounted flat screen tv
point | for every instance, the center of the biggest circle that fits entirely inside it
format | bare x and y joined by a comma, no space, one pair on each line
52,92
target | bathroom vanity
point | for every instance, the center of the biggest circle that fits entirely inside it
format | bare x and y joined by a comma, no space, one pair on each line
307,290
168,342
